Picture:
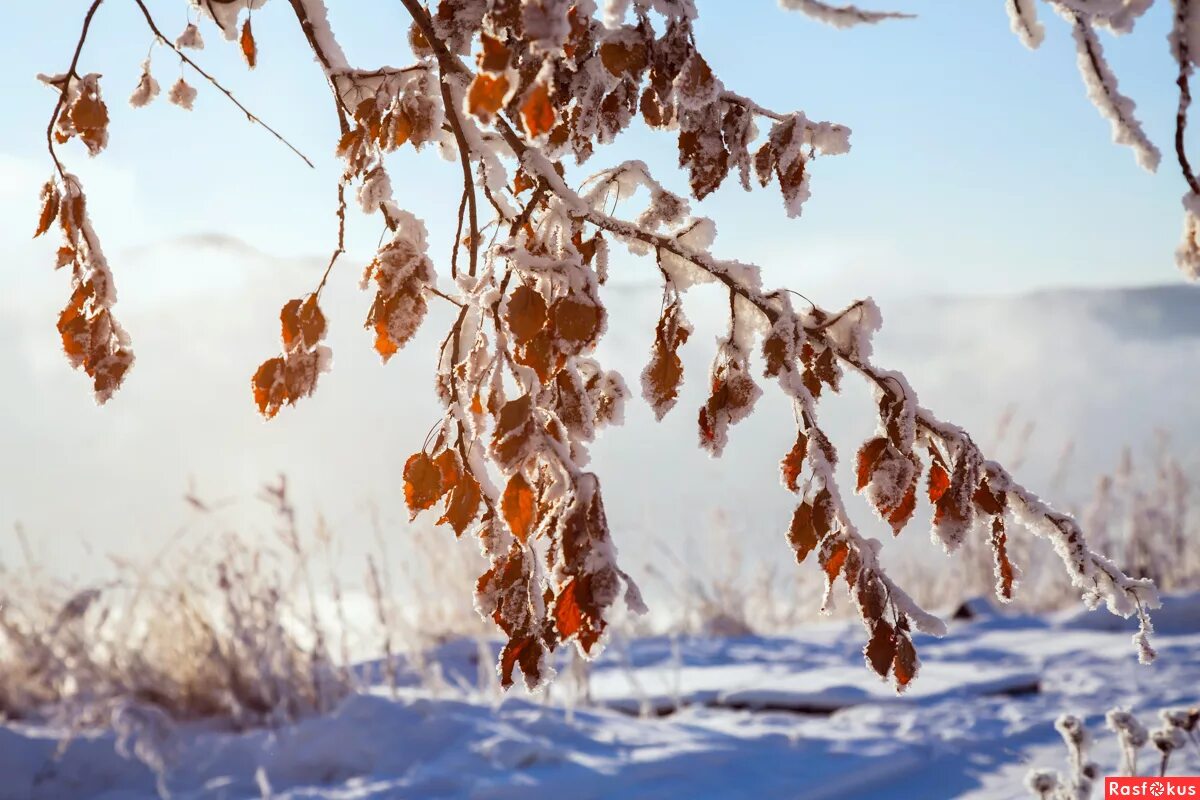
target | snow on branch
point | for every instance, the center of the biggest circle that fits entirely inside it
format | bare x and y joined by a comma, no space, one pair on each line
840,16
1102,90
1022,15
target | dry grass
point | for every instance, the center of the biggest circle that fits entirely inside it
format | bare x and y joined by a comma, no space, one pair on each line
252,633
263,634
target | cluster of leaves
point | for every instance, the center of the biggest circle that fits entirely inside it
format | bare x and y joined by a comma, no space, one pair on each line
92,338
523,395
570,83
288,377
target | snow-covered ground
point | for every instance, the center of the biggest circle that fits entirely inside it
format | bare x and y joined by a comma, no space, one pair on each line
760,717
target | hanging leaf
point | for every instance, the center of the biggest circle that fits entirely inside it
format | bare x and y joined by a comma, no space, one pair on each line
249,47
486,96
537,112
664,373
792,463
525,313
462,505
303,323
518,507
567,616
905,664
494,55
868,455
733,396
880,651
511,439
939,482
422,483
576,320
833,558
50,201
871,596
625,57
802,535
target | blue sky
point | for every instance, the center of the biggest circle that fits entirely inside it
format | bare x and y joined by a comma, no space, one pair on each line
977,166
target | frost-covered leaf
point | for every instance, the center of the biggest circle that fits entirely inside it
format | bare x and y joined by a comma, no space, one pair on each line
511,439
50,201
422,483
792,463
525,313
880,650
462,504
663,375
487,95
248,45
182,94
402,272
906,663
518,507
537,112
734,393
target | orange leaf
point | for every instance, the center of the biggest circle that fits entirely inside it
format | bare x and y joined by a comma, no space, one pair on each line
401,128
576,320
463,504
989,502
525,313
871,596
664,374
538,354
525,651
802,534
881,649
939,482
514,428
50,202
835,559
793,462
623,59
567,616
494,56
249,48
902,513
867,456
486,95
517,507
537,113
905,665
447,462
269,387
522,181
422,483
302,322
385,345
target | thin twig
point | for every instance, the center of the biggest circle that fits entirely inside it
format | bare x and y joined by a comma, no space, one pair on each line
341,236
1185,94
187,60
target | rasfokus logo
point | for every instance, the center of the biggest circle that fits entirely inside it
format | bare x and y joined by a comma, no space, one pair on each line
1175,786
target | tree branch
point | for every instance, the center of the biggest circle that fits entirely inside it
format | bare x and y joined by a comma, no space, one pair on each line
62,90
